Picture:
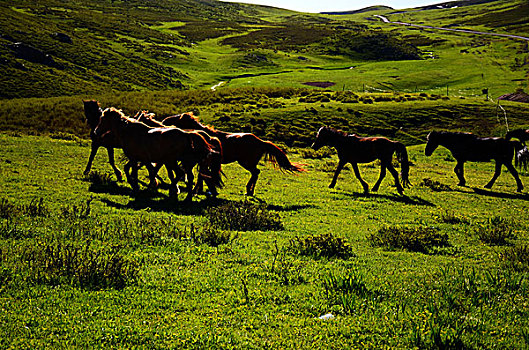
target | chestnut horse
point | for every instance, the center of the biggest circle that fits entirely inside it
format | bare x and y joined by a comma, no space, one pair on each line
244,148
355,149
93,113
167,146
148,119
469,147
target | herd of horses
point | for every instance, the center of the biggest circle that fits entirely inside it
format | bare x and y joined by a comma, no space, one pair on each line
180,142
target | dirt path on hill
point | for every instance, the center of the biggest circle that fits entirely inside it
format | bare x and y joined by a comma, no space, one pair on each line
386,20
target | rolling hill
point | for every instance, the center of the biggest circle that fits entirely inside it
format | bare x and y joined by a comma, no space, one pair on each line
53,48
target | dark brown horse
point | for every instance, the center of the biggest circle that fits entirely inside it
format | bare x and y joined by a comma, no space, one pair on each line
93,114
167,146
520,134
355,149
149,119
244,148
469,147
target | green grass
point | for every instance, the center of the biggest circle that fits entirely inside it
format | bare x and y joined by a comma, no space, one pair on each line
254,291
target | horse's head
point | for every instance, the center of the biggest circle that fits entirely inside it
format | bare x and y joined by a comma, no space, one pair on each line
432,143
322,138
108,122
92,112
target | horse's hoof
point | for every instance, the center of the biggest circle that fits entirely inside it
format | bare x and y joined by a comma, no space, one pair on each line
519,189
332,185
488,186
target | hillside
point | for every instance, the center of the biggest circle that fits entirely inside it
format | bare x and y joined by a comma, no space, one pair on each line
52,48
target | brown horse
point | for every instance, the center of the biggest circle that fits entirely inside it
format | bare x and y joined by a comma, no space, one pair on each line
244,148
93,114
168,146
149,119
355,149
469,147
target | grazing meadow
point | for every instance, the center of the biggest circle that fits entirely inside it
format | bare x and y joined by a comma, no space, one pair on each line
85,264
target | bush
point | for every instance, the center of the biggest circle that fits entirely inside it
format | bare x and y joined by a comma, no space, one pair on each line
213,236
450,217
516,257
415,239
244,216
495,231
324,245
82,266
434,185
324,152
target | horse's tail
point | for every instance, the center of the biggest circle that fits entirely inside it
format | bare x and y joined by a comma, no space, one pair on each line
402,156
276,156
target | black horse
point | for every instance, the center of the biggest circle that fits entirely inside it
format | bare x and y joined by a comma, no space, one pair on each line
469,147
355,149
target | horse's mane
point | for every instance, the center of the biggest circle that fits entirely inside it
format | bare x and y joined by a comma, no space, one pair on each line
336,132
458,134
120,113
190,117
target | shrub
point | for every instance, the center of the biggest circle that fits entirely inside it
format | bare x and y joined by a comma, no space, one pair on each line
324,245
99,179
450,217
83,266
324,152
416,239
516,257
434,185
244,216
495,231
213,236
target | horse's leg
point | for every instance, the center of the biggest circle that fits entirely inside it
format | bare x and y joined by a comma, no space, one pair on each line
497,172
132,178
339,168
153,172
357,174
110,152
190,179
395,174
250,186
174,175
381,177
514,173
460,172
93,152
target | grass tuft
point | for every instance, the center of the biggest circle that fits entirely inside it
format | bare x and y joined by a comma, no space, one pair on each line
416,239
324,245
244,216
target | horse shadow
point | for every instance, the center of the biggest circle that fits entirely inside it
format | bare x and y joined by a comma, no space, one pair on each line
168,205
495,194
405,199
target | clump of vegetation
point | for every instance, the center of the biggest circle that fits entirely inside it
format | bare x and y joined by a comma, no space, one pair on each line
435,185
36,207
495,231
99,179
79,265
244,216
413,238
324,152
325,245
516,257
348,292
450,217
214,237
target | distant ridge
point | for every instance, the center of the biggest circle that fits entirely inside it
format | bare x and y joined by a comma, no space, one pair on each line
366,9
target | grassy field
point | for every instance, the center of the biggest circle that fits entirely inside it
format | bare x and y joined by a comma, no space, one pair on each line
83,264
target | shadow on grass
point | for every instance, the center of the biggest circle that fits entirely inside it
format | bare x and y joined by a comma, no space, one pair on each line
168,204
412,200
490,193
290,207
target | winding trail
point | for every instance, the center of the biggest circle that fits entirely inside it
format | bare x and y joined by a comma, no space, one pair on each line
386,20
